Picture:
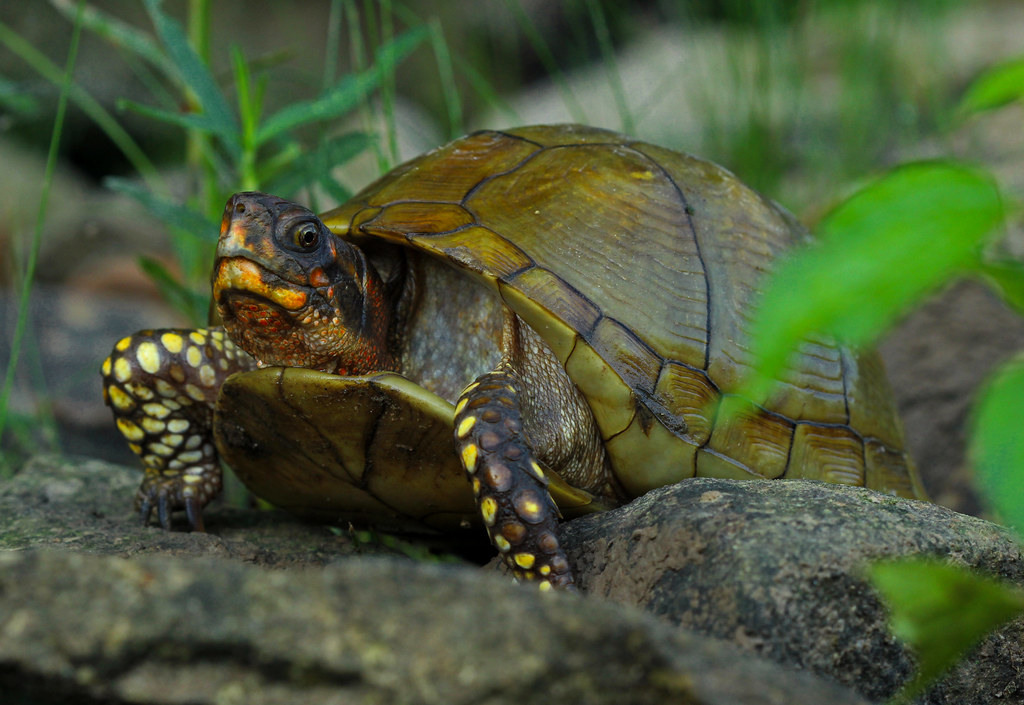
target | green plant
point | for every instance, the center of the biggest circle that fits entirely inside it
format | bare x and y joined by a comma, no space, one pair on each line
879,253
228,143
28,276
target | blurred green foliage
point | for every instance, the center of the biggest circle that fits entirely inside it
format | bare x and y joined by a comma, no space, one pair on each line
879,253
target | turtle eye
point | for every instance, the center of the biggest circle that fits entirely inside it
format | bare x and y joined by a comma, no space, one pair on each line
306,236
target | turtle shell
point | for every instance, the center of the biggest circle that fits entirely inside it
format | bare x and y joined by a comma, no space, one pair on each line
638,266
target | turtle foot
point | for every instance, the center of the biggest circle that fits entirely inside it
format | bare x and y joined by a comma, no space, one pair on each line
510,486
168,494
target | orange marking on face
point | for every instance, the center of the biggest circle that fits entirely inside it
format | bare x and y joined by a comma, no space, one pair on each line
318,278
243,275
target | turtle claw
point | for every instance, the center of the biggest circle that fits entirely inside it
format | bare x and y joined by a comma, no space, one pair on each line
194,512
145,508
167,495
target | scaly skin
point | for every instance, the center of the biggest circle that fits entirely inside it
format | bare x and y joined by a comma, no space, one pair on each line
509,484
161,386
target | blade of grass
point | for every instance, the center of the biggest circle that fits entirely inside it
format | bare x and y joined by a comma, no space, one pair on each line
193,305
358,57
387,68
86,103
316,166
249,112
37,234
333,43
480,85
543,52
345,94
166,210
195,75
115,31
200,156
611,67
453,106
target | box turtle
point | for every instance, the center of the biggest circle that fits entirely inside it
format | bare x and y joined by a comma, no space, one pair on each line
592,291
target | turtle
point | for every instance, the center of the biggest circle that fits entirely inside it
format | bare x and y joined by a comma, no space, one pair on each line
520,326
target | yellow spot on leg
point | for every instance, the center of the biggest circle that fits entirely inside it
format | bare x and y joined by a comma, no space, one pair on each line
177,425
469,458
119,399
151,425
148,356
489,510
122,370
194,356
461,405
545,586
130,430
207,375
197,337
524,560
107,365
465,426
156,410
123,344
502,543
173,342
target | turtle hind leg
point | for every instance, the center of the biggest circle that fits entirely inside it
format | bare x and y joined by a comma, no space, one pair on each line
161,386
509,484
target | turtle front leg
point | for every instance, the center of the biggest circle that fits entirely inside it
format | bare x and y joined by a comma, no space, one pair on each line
161,386
509,484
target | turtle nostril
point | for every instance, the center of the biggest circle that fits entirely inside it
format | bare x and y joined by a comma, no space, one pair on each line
239,208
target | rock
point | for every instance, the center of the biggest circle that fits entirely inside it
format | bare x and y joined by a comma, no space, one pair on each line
82,505
199,625
777,568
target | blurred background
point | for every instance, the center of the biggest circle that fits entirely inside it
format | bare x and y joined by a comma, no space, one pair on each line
172,106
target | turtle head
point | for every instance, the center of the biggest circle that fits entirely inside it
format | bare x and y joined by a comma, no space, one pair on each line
292,293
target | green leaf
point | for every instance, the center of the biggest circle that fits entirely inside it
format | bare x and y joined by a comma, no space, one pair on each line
195,75
336,101
344,95
996,87
878,253
1007,277
117,32
941,611
171,213
192,304
996,445
316,166
193,121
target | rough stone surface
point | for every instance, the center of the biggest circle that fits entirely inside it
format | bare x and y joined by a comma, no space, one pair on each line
774,567
200,626
82,505
777,567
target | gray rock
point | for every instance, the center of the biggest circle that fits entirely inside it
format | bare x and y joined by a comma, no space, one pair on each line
83,505
777,568
201,626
